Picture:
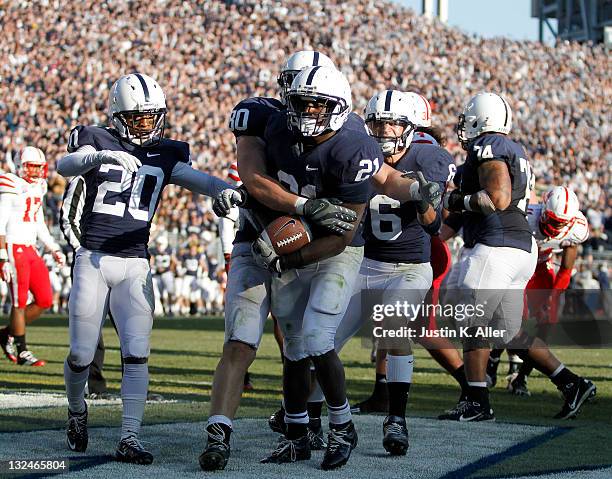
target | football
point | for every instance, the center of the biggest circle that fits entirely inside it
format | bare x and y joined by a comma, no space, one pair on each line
288,234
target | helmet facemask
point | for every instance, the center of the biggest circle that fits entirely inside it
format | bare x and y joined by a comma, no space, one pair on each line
390,145
552,225
31,171
142,128
313,115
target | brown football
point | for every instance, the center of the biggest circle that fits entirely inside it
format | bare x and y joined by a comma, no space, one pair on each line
288,234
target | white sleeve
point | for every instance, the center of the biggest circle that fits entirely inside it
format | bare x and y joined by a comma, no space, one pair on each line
43,232
196,181
227,232
78,162
6,206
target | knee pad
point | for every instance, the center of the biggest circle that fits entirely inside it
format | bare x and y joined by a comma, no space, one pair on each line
74,367
317,343
137,347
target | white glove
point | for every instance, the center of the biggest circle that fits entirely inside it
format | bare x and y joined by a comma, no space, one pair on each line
5,271
126,161
59,257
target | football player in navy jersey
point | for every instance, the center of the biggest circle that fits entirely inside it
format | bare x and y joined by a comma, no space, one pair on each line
313,153
500,252
248,286
397,244
125,167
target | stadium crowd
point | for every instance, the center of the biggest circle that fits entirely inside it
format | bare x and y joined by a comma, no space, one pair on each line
59,59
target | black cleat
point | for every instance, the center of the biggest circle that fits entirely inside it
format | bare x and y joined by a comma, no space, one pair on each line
395,440
288,450
373,404
217,451
517,385
76,431
315,435
575,395
340,443
492,365
277,422
130,450
468,411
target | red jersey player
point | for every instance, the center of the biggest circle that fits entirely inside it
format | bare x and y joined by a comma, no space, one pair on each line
21,224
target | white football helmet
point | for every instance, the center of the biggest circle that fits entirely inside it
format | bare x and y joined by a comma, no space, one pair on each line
422,108
486,112
318,88
559,211
395,107
137,109
295,64
31,164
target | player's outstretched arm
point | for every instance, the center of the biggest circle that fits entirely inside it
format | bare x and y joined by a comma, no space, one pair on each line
197,181
87,157
395,184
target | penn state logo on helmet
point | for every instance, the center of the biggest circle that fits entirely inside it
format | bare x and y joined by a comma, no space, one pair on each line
137,109
319,101
32,164
391,120
295,64
485,113
559,211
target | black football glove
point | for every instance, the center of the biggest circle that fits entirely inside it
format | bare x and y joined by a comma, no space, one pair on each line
429,190
229,198
264,254
328,214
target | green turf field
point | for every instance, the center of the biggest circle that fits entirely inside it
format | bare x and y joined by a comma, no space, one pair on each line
185,352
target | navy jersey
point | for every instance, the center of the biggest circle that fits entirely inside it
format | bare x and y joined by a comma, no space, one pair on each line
392,231
119,207
502,228
337,168
250,116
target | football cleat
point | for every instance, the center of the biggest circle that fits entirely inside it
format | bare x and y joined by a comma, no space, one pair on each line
468,411
130,450
154,397
517,385
492,365
395,439
340,444
8,345
315,436
575,394
514,364
76,431
372,405
277,422
288,450
448,412
103,396
27,358
217,451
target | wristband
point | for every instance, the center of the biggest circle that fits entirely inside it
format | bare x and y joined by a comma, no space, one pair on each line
299,205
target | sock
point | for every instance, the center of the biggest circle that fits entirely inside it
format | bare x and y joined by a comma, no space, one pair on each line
562,376
330,374
314,409
218,424
526,368
134,386
75,387
380,386
339,416
398,398
399,377
479,393
296,424
459,375
20,344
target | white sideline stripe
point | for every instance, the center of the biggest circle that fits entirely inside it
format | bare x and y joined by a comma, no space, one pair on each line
39,400
436,448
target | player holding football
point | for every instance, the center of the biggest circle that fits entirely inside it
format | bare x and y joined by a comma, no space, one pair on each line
125,167
22,223
247,297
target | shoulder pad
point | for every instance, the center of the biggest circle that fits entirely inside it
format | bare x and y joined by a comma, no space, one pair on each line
434,162
489,147
88,135
9,183
250,116
357,157
179,149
